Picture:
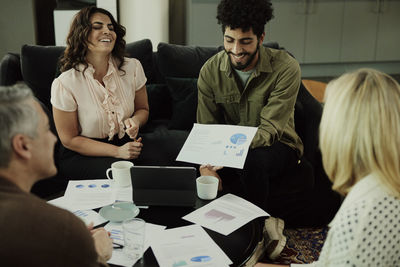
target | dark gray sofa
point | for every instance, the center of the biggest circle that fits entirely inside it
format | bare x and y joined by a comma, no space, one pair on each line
172,74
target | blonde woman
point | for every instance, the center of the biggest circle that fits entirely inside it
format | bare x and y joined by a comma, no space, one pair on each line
360,145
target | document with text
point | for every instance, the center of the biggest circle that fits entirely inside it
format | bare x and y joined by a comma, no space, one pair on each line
87,216
225,214
218,145
188,246
90,194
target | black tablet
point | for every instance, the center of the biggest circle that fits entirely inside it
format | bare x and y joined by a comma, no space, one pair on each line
163,186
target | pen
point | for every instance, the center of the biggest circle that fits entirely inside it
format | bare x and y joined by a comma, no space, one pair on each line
117,246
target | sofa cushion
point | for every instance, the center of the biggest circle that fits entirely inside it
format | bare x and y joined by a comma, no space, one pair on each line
143,51
183,61
159,101
184,102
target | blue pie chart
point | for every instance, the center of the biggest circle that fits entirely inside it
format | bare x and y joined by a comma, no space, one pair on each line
201,259
238,138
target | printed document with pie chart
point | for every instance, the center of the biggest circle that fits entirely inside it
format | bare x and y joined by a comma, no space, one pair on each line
218,145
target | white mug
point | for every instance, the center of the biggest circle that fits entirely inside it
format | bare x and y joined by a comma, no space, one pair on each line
207,187
121,173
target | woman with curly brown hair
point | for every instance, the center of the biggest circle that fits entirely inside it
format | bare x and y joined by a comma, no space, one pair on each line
99,100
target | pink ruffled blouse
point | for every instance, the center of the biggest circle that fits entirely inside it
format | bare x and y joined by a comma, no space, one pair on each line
101,109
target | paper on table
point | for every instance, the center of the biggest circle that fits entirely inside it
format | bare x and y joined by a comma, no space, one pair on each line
118,257
218,145
62,202
87,216
188,246
89,194
90,216
225,214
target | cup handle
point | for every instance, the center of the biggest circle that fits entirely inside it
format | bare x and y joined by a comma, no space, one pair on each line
107,172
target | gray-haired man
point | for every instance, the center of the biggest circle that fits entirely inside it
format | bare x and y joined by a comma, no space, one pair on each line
35,233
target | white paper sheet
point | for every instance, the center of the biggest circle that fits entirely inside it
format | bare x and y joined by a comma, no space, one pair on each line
62,202
152,232
218,145
89,194
225,214
87,216
119,258
188,246
90,216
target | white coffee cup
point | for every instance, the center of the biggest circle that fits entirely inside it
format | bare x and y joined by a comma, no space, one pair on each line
121,173
207,187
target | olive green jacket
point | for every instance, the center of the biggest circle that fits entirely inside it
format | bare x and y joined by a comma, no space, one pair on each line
267,101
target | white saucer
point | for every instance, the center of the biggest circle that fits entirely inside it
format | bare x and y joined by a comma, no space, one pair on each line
119,211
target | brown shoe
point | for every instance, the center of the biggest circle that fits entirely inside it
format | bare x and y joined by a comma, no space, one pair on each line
274,240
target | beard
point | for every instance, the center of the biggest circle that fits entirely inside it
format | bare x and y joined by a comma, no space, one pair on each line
239,65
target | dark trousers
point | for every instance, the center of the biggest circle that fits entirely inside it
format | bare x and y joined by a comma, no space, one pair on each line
274,179
160,148
262,167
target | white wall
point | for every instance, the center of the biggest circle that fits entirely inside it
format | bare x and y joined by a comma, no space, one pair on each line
145,19
17,25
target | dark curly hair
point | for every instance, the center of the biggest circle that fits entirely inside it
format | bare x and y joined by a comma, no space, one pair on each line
245,15
78,35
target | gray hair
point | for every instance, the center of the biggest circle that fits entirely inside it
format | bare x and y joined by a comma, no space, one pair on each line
16,117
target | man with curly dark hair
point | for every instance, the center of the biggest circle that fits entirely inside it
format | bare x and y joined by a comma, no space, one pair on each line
252,85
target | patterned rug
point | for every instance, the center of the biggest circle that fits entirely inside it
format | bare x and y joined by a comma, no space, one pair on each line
302,246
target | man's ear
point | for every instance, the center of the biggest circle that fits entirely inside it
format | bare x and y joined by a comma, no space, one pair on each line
262,38
22,146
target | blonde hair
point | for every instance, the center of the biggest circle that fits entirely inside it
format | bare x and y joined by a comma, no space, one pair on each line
360,130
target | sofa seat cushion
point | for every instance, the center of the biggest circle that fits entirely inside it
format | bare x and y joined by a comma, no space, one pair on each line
183,92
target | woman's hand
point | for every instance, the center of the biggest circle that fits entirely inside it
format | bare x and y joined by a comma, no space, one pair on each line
130,150
132,127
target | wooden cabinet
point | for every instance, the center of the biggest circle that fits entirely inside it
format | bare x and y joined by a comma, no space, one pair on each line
360,25
388,37
371,31
288,27
309,29
323,31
